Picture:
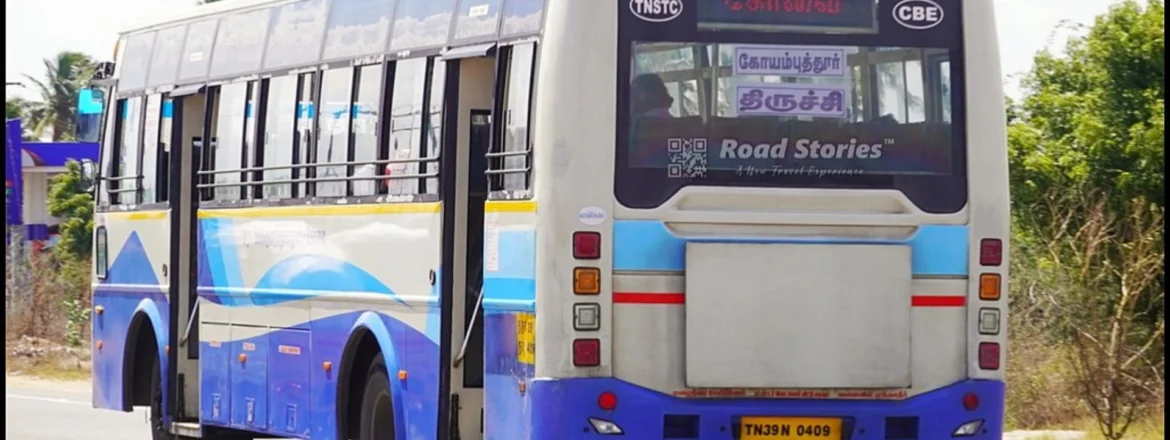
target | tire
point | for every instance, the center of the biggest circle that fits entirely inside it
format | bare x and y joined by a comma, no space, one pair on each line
377,416
157,430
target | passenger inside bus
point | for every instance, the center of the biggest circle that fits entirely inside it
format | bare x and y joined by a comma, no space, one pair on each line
649,96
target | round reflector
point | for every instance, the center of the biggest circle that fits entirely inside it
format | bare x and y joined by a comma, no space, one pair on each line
607,401
970,401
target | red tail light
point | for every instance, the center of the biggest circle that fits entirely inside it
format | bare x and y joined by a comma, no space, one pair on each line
586,352
586,245
991,252
989,355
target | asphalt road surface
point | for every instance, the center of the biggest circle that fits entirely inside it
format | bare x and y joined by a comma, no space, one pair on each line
37,409
55,410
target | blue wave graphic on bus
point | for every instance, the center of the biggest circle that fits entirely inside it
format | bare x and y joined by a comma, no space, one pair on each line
296,277
306,276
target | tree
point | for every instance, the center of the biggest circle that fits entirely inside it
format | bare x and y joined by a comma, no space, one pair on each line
1095,116
70,201
13,108
1086,147
65,75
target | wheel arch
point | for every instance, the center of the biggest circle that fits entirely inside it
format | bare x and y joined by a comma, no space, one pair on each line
368,339
144,340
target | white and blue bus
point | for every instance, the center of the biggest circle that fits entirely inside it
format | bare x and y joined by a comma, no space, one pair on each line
555,219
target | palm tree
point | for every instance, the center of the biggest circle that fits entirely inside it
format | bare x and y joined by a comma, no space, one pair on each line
65,75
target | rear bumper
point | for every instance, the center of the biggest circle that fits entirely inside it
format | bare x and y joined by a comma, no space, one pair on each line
561,409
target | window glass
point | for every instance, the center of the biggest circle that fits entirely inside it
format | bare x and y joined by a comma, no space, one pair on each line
228,143
164,64
945,89
406,122
150,146
522,16
775,122
365,128
197,50
279,135
135,62
517,114
434,134
421,23
357,27
333,143
249,143
164,140
107,151
128,155
306,111
477,18
101,253
297,30
240,43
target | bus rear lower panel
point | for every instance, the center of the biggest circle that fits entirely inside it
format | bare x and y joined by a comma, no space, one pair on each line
562,410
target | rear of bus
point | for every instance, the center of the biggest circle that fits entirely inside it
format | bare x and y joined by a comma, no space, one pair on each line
806,227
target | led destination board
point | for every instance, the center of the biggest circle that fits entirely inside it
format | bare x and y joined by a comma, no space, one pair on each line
819,15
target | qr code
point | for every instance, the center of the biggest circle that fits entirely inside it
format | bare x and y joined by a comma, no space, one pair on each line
688,158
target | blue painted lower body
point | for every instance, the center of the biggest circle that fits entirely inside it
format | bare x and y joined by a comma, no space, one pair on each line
280,387
561,409
111,329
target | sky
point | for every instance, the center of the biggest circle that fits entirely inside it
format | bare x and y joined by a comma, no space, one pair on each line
38,29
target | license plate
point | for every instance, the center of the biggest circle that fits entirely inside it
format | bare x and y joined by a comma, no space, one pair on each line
789,428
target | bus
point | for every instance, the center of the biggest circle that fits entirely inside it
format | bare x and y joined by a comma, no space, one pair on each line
555,219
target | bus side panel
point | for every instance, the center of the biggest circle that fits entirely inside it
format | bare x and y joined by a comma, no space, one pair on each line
215,357
136,248
302,280
249,377
509,319
288,383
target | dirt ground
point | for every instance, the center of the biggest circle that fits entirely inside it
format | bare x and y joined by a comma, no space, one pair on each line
29,356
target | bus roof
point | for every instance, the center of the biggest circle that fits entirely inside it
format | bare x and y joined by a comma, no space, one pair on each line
195,12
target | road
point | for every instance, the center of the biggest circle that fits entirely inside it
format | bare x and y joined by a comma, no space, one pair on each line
57,410
44,410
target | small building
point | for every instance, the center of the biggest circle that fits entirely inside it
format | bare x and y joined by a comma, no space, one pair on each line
27,186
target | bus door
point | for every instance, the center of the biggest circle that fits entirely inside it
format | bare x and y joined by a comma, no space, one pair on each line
471,86
188,112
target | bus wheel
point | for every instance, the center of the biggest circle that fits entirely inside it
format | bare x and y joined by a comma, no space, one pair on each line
377,416
157,430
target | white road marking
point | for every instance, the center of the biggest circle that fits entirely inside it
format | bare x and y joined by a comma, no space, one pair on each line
45,399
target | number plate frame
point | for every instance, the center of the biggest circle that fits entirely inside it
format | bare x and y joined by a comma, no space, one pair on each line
796,428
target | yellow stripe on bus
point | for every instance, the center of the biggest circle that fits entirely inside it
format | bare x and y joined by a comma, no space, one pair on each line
520,206
135,215
319,210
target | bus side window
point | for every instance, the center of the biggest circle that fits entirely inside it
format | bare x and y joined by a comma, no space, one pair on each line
150,149
333,129
126,177
365,129
227,142
406,124
517,105
106,162
279,137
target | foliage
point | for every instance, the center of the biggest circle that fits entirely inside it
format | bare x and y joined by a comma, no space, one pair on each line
65,75
1095,116
13,108
1086,148
72,203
